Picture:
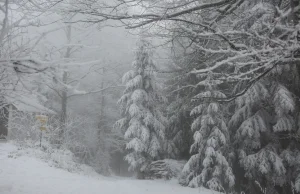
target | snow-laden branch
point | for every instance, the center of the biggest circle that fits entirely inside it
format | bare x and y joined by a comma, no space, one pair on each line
82,92
142,19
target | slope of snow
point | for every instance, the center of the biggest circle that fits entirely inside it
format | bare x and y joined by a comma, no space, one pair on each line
25,174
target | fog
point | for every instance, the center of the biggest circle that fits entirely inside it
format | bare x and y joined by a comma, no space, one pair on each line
149,96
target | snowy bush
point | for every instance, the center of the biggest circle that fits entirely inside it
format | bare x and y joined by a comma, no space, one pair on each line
82,143
163,169
23,126
88,143
59,158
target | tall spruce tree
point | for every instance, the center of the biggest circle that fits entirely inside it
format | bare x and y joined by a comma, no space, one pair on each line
208,165
143,123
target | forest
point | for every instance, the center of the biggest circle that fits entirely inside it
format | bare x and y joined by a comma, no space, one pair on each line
204,92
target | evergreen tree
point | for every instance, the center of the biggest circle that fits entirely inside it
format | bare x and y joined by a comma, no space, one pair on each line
178,134
263,115
143,123
179,137
209,166
256,153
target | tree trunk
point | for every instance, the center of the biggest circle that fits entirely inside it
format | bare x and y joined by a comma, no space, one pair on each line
102,102
296,17
102,97
64,95
64,101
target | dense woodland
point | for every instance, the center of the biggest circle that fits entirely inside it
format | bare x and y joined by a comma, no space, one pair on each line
214,83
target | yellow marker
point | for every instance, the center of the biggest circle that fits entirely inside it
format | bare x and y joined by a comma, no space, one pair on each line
43,128
43,121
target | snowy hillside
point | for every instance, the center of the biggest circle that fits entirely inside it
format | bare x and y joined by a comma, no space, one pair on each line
22,173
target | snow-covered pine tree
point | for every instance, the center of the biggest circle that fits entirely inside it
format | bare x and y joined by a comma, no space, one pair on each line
143,123
265,113
208,166
257,149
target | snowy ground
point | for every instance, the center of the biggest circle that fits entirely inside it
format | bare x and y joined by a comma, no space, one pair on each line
22,173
